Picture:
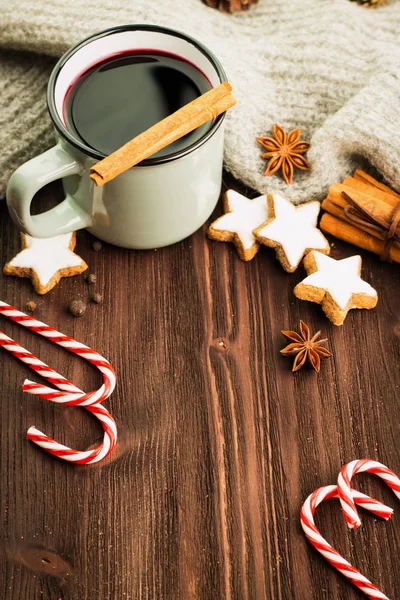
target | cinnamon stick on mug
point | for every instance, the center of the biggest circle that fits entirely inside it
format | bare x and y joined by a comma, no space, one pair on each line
172,128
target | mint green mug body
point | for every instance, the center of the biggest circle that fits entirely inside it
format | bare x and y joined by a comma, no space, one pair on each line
157,203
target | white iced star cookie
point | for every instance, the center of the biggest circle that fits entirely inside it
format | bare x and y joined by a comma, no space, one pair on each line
336,285
291,230
45,261
242,215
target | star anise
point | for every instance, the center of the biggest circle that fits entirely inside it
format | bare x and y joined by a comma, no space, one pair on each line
284,152
305,347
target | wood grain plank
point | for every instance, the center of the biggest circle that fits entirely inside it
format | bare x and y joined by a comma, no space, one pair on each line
219,443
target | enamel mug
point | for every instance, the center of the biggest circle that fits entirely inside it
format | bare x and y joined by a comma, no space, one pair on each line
159,202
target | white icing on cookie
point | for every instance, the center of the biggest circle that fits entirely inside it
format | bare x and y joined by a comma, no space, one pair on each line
340,278
294,228
46,256
244,216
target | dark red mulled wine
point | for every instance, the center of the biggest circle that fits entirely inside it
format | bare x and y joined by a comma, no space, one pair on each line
122,96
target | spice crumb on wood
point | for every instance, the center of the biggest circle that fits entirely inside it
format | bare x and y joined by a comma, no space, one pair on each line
97,298
91,278
31,306
77,308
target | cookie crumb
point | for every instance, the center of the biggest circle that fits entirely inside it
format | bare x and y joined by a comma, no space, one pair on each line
97,246
31,306
97,298
77,308
91,278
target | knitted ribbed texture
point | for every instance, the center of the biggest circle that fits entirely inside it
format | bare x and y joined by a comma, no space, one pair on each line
330,67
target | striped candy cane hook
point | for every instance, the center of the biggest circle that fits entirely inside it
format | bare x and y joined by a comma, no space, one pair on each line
328,552
69,394
362,466
70,398
86,457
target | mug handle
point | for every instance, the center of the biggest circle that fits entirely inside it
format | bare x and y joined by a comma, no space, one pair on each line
33,175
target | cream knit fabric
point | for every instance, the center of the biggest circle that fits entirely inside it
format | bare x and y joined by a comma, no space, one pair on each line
330,67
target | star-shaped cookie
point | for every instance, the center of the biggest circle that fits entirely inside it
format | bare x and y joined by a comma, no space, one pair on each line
45,261
291,230
242,215
336,285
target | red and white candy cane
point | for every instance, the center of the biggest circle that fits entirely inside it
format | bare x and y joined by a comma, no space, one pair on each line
69,394
332,556
67,397
362,466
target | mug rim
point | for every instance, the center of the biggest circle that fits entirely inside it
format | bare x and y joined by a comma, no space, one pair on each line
87,150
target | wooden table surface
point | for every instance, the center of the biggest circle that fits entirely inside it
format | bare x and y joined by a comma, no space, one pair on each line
219,443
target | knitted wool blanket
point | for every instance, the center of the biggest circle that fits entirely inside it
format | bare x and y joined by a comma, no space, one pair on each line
330,67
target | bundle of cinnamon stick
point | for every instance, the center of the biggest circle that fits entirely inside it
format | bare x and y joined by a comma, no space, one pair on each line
364,212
